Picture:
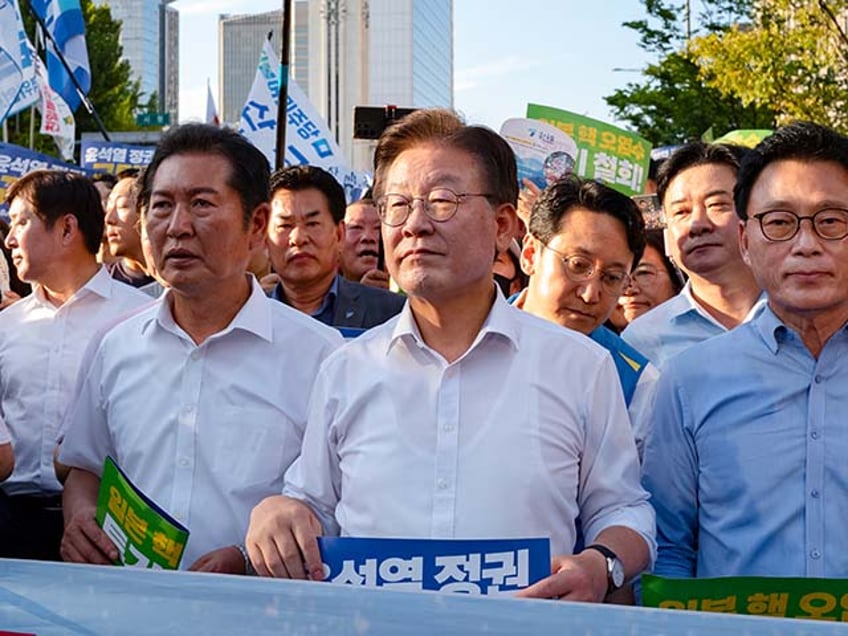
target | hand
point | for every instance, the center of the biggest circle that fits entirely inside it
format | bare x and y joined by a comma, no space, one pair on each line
223,560
84,541
8,298
526,198
282,539
580,577
375,278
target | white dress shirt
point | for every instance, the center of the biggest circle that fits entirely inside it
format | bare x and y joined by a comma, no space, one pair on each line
41,349
523,433
205,431
5,435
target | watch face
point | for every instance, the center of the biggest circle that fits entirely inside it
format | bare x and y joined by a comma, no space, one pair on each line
617,573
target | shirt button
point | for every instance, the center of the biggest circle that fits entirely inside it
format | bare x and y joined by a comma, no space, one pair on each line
447,428
184,461
195,355
814,434
818,379
814,493
188,409
815,554
441,484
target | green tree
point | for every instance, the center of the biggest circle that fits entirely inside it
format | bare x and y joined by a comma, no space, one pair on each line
792,59
673,103
114,93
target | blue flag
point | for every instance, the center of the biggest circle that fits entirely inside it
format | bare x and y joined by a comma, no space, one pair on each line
64,21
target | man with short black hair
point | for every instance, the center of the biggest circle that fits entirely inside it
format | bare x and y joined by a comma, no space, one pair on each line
201,399
583,240
746,458
56,228
305,236
457,383
695,187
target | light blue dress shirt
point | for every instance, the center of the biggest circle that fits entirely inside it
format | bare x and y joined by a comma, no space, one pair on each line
673,326
747,458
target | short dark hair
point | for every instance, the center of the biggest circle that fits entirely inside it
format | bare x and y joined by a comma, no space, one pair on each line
656,238
493,154
558,199
802,141
55,193
696,153
249,171
129,173
297,178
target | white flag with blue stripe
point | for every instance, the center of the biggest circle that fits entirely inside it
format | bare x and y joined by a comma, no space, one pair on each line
18,88
63,19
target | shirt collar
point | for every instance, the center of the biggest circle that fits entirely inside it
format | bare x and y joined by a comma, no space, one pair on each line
501,321
253,317
688,304
99,284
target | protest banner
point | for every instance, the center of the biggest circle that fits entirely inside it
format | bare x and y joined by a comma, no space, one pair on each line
18,86
113,157
146,536
543,153
308,140
484,566
746,138
16,161
821,599
606,153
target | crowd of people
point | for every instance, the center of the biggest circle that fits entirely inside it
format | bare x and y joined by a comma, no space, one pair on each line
661,400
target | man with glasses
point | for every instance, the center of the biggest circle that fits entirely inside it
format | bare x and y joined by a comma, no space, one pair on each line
473,419
746,457
695,186
305,236
583,239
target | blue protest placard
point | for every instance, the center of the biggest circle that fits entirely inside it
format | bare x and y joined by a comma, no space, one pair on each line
16,161
114,157
470,566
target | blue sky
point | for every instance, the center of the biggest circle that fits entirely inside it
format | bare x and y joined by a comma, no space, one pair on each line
554,52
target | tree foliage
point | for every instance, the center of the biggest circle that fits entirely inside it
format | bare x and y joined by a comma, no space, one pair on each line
792,59
673,103
114,93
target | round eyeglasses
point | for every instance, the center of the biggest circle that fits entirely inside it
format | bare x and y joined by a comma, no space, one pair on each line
440,204
645,276
830,224
580,269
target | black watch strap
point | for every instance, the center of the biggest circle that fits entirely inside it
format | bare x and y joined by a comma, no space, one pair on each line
614,566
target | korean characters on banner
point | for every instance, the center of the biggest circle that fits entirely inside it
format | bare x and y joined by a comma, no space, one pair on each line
16,161
483,567
308,140
112,157
543,153
606,153
819,599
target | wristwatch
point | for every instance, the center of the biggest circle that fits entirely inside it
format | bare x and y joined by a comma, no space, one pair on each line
615,569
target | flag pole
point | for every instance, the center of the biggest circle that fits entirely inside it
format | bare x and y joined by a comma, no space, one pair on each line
83,97
280,153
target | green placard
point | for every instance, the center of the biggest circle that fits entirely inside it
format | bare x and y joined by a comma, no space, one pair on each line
606,153
146,536
821,599
153,119
747,138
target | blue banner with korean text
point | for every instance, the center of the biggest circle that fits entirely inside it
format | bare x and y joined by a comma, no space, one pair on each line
113,157
469,566
16,161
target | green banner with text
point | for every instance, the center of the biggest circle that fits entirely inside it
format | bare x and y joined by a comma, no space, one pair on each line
820,599
606,153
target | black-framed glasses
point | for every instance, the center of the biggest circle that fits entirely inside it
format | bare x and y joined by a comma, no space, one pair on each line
440,204
830,224
579,269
